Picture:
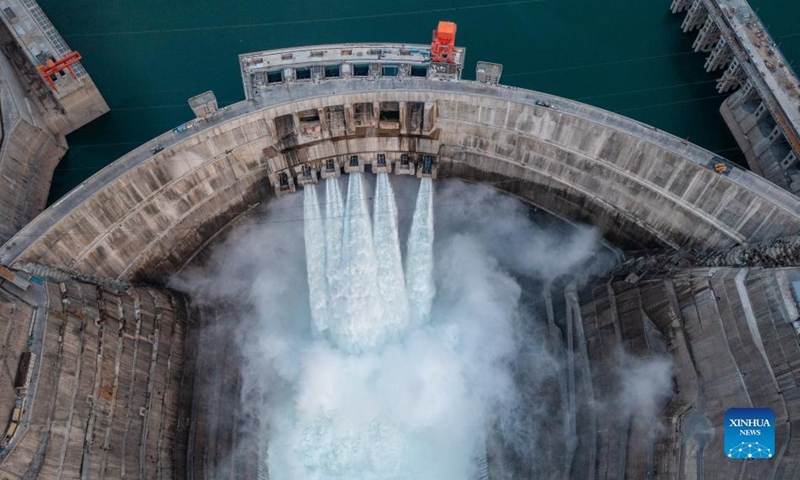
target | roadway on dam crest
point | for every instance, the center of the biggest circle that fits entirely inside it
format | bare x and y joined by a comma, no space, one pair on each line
777,211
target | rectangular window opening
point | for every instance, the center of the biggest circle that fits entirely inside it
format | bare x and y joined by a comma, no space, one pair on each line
302,73
419,71
390,112
309,116
389,71
361,70
332,71
275,76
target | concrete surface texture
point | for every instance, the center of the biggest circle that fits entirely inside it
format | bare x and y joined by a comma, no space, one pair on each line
142,217
125,386
764,115
733,337
35,117
109,390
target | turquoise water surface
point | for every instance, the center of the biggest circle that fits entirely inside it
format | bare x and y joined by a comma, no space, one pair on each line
629,56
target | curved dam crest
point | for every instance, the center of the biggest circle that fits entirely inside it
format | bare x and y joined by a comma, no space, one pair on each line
642,187
632,368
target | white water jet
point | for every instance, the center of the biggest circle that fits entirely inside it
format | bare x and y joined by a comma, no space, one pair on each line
314,234
391,279
334,226
359,326
419,257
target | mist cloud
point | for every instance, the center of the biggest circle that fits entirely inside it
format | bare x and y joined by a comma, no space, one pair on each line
421,406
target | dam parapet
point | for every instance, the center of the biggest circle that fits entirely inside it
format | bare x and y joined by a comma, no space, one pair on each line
45,94
764,113
535,145
310,114
262,71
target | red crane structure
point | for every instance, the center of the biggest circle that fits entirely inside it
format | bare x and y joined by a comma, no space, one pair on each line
53,67
443,46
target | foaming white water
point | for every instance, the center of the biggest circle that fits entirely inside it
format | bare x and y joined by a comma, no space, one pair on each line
381,398
314,234
359,326
419,258
391,280
415,407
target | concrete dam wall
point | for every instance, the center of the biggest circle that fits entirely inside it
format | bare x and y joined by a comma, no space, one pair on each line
35,116
121,388
108,391
145,215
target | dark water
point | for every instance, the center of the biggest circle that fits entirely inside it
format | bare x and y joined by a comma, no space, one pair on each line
629,56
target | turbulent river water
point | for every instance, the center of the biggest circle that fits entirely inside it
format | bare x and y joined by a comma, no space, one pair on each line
376,409
388,327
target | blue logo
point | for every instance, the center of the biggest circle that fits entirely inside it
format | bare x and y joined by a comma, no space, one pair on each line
749,433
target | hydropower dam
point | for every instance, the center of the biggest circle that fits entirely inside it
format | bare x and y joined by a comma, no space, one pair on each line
384,311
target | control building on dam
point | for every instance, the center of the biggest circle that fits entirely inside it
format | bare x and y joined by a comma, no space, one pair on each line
107,369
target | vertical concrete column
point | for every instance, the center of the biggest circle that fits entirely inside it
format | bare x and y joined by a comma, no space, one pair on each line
273,132
403,118
731,78
750,121
760,110
742,95
296,124
349,118
762,147
680,5
720,56
707,37
695,17
288,75
429,118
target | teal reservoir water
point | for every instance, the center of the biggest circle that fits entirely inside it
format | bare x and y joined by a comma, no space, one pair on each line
628,56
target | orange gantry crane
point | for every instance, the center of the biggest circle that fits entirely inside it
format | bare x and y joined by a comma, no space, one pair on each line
443,46
53,67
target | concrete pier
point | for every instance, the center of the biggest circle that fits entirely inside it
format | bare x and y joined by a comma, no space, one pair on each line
695,17
721,55
708,37
35,116
753,62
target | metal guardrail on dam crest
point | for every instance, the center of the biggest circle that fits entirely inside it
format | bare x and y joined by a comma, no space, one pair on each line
283,94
